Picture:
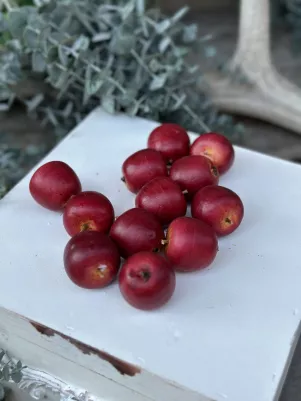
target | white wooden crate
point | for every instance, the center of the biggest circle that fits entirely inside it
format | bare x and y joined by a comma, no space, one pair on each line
228,332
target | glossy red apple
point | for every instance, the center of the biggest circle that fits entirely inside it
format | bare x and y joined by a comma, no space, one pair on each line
191,244
162,197
91,260
217,148
193,172
135,231
142,167
53,184
147,281
88,211
171,140
219,207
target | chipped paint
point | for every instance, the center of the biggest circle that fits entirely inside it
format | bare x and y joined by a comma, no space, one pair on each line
124,368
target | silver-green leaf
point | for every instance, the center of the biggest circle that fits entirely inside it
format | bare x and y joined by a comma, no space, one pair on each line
6,373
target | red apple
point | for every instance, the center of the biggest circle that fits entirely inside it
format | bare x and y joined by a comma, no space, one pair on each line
91,260
147,281
90,211
220,207
193,172
142,167
162,197
53,184
171,140
217,148
137,230
191,244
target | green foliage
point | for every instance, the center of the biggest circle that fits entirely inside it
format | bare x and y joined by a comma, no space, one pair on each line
120,54
25,3
15,162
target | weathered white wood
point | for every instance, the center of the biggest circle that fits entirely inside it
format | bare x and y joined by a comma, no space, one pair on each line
61,360
229,331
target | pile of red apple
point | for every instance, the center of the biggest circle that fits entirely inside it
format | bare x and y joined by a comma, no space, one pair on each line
155,238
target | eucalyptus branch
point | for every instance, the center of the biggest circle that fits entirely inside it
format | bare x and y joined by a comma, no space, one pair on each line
121,55
74,66
173,95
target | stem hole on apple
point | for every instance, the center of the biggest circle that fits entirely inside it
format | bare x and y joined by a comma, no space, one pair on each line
228,221
101,270
145,275
85,227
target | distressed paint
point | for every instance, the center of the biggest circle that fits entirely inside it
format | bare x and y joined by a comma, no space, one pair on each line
122,367
54,355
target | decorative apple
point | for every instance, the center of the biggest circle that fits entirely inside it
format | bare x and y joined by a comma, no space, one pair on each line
137,230
88,210
171,140
191,244
53,184
219,207
147,281
217,148
142,167
193,173
91,260
163,198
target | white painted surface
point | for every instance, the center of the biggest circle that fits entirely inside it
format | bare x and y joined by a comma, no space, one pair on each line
63,359
228,331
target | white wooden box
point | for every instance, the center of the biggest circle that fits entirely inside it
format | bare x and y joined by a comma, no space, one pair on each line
228,333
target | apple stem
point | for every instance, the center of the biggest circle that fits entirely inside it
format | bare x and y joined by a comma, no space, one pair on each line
122,179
